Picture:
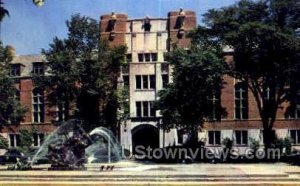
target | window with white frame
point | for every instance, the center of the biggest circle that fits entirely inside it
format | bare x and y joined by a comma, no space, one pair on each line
215,105
241,100
38,139
145,82
147,57
14,140
214,137
145,109
38,105
241,137
62,111
295,136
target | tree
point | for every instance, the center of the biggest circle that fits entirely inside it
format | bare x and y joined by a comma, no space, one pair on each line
262,34
11,111
26,143
84,71
187,102
3,12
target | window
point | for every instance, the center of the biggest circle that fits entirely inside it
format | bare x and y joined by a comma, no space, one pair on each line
294,110
38,105
295,136
38,68
152,81
128,57
165,80
14,140
241,137
17,96
38,139
126,80
214,137
15,119
138,82
241,101
15,70
147,25
145,109
215,105
147,57
62,111
164,68
145,82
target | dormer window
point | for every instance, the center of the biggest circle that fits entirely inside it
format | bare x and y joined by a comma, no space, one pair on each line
15,70
38,68
147,25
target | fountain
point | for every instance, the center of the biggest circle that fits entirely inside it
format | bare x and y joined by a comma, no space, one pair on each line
69,147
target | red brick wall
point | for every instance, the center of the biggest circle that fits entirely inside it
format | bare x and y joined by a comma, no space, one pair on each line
119,29
26,88
190,23
227,101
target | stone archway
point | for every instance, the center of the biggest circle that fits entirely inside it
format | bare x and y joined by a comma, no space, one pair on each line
145,135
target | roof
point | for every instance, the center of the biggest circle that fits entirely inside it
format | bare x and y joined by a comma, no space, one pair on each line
26,61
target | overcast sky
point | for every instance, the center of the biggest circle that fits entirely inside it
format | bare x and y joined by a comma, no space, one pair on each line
29,28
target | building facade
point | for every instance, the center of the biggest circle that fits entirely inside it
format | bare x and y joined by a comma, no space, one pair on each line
147,73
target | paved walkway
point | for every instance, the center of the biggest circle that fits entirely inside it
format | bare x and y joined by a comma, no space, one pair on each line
126,173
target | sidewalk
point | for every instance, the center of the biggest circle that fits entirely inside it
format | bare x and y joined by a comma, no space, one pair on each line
126,173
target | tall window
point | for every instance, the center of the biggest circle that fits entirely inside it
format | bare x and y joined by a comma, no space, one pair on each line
147,57
38,139
15,119
38,68
62,111
38,105
14,140
145,82
126,80
295,136
294,110
214,137
128,57
215,105
241,137
241,101
15,70
165,80
145,109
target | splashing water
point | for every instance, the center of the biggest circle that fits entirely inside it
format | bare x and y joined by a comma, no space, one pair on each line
104,147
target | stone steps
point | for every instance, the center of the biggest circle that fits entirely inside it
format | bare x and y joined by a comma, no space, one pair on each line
146,178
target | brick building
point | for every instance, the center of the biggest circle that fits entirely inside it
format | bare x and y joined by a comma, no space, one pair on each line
147,40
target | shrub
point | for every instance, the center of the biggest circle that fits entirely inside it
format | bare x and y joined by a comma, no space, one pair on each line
254,144
3,143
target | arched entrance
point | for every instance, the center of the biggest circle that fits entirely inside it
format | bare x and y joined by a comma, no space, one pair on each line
145,135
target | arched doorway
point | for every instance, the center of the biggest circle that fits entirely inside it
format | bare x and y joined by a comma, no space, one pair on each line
145,135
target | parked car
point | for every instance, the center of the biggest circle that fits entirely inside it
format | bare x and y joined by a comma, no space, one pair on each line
10,157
